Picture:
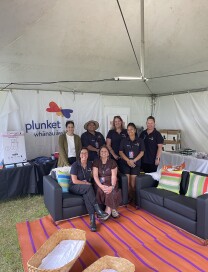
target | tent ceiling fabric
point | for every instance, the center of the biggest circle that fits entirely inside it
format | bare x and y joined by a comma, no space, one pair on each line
78,40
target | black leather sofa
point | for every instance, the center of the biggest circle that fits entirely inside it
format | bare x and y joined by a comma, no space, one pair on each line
67,205
185,212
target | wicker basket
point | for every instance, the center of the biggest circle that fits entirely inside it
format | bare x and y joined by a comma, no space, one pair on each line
108,262
50,244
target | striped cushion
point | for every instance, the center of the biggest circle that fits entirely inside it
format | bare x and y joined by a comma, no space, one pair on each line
64,179
170,181
198,185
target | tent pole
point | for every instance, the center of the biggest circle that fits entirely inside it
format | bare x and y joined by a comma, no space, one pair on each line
142,37
153,104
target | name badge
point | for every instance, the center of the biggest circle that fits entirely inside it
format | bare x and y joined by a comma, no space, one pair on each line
102,180
96,144
131,154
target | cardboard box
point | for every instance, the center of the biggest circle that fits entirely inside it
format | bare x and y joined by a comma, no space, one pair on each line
171,145
164,133
174,135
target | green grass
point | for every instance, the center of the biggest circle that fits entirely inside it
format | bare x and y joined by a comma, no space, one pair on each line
12,212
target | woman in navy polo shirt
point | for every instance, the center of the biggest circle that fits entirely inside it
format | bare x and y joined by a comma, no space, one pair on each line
131,151
81,175
114,137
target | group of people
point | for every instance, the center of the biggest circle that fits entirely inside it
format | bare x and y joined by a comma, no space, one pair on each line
96,162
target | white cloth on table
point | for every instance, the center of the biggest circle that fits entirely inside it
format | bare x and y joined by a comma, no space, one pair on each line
192,163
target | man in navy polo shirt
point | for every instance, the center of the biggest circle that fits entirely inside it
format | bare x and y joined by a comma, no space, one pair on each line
153,141
92,139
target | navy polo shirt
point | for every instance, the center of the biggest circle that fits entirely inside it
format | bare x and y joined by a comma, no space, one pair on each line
96,140
132,148
151,142
80,172
116,139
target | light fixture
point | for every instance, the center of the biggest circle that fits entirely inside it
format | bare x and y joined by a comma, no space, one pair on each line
127,78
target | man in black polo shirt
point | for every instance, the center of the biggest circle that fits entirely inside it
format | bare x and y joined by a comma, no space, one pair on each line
153,141
92,139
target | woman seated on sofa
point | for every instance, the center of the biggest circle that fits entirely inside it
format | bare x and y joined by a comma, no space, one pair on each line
81,175
105,176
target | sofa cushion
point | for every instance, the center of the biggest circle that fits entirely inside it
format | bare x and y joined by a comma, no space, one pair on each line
72,200
198,185
171,167
64,179
184,182
155,195
181,204
170,180
54,171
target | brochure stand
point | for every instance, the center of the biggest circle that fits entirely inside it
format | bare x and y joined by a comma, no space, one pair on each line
13,147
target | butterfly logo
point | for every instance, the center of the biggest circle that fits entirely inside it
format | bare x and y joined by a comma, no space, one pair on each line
53,107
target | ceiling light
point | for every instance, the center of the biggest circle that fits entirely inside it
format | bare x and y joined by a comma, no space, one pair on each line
127,78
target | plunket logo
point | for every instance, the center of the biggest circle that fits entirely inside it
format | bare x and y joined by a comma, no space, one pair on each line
53,107
48,128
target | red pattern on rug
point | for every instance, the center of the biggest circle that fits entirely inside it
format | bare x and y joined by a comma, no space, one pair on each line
149,242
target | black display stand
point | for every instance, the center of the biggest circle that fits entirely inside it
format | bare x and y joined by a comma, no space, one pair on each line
27,179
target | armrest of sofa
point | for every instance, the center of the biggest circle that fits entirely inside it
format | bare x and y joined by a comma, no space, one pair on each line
202,216
143,181
52,194
123,184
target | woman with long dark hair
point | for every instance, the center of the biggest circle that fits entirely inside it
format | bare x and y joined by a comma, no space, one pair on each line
114,137
105,176
69,146
131,151
81,175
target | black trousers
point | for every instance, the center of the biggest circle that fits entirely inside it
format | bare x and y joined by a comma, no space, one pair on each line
88,194
71,160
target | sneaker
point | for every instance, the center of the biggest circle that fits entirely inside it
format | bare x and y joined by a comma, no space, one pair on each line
114,213
106,217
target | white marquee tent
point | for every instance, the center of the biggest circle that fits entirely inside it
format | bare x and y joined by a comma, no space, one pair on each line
70,52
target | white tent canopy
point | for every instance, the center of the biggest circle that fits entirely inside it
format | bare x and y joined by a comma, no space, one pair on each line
71,51
86,40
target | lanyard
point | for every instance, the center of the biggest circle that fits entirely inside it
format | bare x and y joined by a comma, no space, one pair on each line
103,169
84,171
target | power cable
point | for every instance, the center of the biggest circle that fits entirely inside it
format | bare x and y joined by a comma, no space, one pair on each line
180,74
59,81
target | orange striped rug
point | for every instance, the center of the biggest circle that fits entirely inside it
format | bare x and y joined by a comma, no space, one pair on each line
149,242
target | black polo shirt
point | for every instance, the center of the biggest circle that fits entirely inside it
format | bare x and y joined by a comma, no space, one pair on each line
96,140
116,139
151,142
132,148
80,172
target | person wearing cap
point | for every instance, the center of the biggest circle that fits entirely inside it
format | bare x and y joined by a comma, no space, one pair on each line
153,142
69,146
92,139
